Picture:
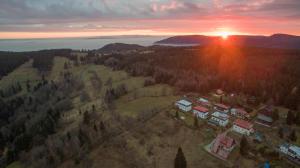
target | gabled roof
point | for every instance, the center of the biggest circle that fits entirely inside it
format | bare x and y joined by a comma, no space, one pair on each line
184,102
222,106
221,116
264,117
201,99
200,109
228,142
243,124
241,111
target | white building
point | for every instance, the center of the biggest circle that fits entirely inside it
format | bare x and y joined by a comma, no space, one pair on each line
221,107
184,105
240,113
219,118
201,112
290,150
242,127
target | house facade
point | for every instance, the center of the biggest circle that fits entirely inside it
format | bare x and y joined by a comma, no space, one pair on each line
218,118
184,105
204,102
242,127
222,146
239,113
264,116
221,107
290,150
201,112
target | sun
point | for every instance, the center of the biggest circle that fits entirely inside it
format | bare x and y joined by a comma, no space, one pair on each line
224,35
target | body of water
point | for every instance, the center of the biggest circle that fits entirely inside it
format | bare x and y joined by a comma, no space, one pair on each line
74,43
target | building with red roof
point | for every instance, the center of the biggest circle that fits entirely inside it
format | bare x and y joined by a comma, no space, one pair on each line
243,127
201,112
222,146
240,113
264,116
221,107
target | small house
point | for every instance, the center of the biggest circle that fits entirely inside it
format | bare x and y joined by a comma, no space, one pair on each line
201,112
221,107
219,119
264,116
184,105
222,146
239,113
242,127
204,102
290,150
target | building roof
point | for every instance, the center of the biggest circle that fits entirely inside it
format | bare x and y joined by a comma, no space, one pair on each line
200,109
264,117
223,106
184,102
220,115
228,142
224,140
241,111
243,124
296,149
201,99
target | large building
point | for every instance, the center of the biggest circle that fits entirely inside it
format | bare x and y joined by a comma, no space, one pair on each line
201,112
239,113
221,107
204,102
184,105
222,146
290,150
264,116
219,119
242,127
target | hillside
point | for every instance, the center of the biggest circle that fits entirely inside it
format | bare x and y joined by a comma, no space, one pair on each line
82,112
283,41
119,47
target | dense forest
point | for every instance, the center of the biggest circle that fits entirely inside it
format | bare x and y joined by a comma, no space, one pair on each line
264,73
10,60
28,120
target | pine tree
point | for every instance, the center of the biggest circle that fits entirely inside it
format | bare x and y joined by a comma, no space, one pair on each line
86,117
280,132
290,118
297,118
275,115
180,161
244,146
196,124
177,114
293,136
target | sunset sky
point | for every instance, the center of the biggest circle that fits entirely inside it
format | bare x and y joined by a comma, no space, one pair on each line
74,18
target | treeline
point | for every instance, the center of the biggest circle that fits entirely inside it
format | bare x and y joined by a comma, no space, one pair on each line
26,121
43,60
11,60
264,73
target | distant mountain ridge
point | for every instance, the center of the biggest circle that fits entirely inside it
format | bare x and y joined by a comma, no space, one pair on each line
274,41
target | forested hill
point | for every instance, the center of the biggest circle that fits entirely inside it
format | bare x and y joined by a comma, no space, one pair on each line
11,60
283,41
119,47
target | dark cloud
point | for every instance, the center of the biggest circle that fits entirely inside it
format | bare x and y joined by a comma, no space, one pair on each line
56,15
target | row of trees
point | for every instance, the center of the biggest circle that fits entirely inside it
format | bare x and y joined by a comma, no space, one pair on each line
263,73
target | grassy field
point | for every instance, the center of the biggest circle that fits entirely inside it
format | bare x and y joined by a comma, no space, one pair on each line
153,143
21,74
15,165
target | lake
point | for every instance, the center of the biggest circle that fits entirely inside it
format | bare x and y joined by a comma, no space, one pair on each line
73,43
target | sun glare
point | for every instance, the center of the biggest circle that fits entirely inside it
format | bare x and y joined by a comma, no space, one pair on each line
224,35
